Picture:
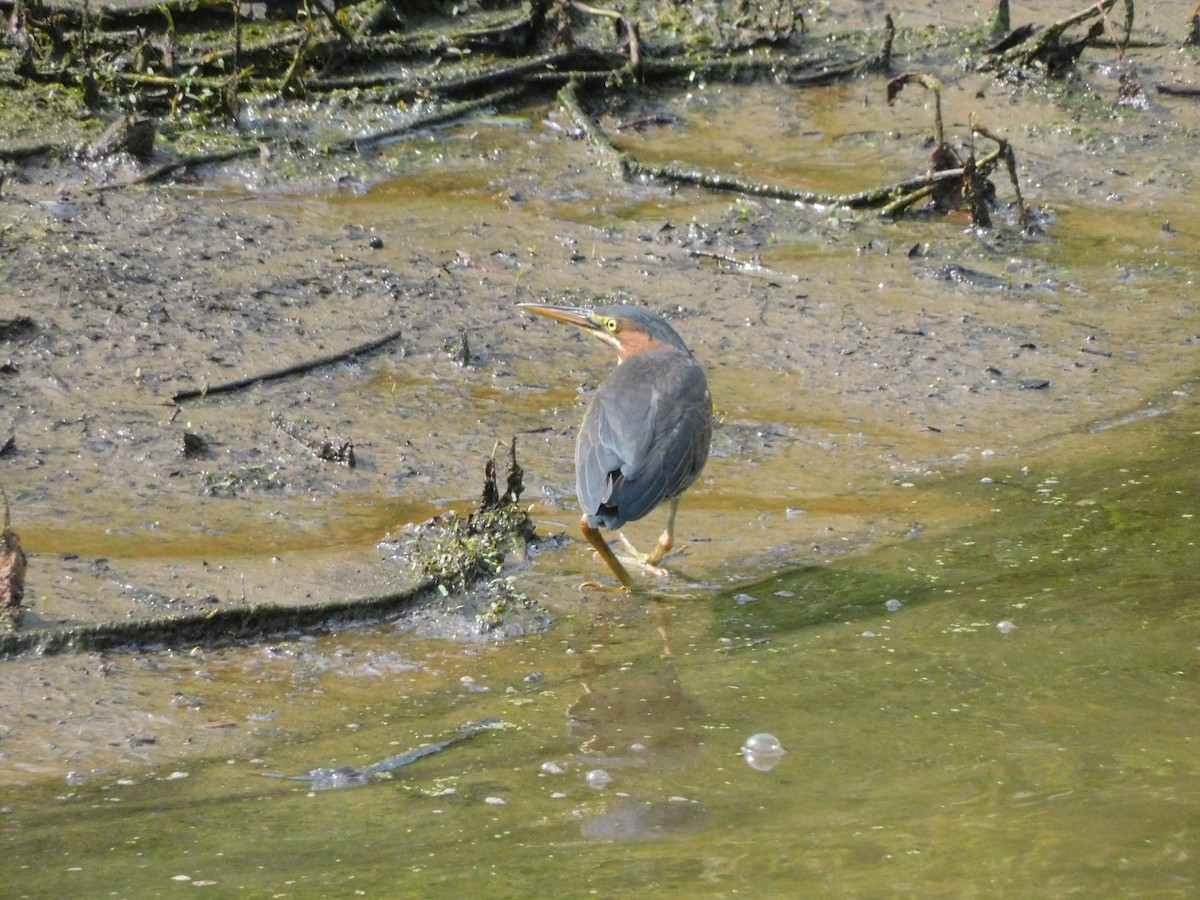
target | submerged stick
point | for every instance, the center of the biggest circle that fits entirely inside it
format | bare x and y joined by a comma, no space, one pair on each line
356,776
297,369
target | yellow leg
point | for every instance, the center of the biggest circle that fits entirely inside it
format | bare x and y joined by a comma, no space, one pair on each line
596,539
665,541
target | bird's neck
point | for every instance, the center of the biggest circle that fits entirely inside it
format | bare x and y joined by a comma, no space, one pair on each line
635,344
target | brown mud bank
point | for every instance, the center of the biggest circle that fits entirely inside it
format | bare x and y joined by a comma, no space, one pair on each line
851,357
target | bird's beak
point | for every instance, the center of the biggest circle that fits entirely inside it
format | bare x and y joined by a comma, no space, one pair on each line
569,314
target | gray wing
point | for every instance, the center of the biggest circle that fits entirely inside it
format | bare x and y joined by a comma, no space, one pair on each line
644,438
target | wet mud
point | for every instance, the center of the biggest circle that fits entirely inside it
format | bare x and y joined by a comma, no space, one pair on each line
849,357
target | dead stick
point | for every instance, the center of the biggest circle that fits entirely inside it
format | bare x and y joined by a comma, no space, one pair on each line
1004,148
1051,33
14,154
428,119
626,166
297,369
188,162
253,49
983,167
293,70
223,625
334,21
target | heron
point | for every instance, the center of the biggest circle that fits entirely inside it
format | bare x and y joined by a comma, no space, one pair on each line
646,432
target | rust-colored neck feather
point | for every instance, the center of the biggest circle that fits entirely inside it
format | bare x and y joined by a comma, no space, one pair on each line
635,342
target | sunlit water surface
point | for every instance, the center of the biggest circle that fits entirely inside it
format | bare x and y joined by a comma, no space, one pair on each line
1007,708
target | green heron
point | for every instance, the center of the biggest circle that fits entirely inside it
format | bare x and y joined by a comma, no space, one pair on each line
647,429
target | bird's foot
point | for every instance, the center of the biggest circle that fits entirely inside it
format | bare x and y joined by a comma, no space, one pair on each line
650,562
653,593
605,588
646,568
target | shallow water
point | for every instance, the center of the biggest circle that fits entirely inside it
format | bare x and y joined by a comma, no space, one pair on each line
873,445
929,751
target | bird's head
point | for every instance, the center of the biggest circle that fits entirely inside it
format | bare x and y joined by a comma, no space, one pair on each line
629,330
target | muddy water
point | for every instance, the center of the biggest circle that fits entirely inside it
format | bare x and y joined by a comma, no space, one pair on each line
879,440
930,751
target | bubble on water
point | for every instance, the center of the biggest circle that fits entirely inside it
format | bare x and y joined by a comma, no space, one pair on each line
598,779
986,479
495,801
553,768
1004,626
892,605
762,763
762,751
742,599
763,742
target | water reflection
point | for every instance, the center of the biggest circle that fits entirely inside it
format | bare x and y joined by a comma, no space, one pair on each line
634,713
939,754
627,819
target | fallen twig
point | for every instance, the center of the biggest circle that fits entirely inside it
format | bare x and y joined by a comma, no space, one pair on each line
286,372
929,185
448,551
880,62
1179,90
222,625
334,22
1004,148
626,30
626,166
436,115
428,118
166,170
945,194
29,151
356,776
1026,47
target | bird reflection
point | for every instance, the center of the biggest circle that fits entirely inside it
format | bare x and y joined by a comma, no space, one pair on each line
637,715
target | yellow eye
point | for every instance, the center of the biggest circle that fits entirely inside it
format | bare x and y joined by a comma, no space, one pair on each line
612,326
